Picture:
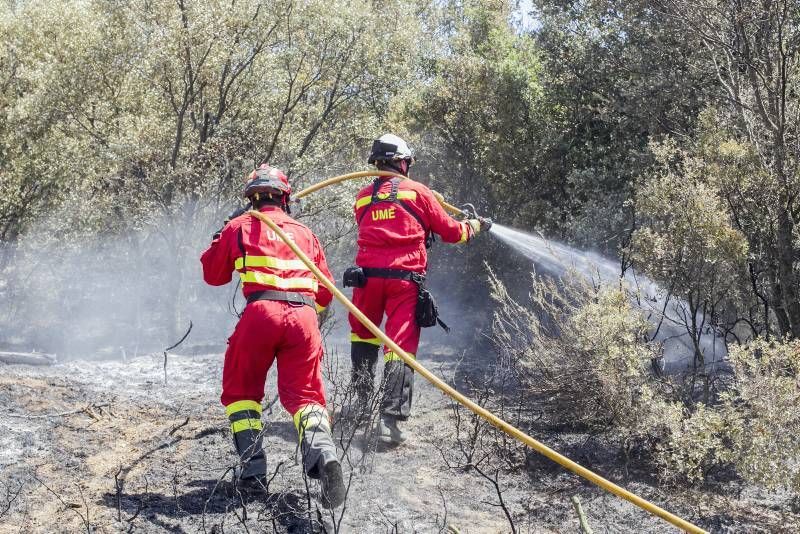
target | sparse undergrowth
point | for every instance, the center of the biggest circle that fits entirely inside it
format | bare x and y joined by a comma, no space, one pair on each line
582,355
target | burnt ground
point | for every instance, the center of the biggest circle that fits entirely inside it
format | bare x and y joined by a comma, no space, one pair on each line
108,447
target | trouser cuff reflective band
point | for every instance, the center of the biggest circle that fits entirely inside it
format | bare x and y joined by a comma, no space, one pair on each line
316,441
244,415
310,415
245,418
242,405
354,338
392,357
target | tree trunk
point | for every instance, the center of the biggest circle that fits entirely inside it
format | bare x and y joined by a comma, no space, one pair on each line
785,237
786,275
784,327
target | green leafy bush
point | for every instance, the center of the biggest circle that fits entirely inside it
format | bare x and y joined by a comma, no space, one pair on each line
579,350
763,416
582,354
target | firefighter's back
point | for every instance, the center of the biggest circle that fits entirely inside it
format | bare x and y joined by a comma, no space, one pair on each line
392,228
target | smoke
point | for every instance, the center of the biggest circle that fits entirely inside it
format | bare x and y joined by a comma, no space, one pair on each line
669,315
111,295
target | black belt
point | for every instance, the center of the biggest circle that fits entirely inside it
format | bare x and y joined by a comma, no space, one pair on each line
286,296
398,274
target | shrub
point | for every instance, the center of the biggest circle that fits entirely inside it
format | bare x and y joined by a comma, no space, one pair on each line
763,415
581,354
579,351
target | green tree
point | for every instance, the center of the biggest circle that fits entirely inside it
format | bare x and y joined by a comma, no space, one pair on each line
146,115
480,110
752,49
619,74
685,240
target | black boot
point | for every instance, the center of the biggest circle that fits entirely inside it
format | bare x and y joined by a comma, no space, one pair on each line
319,453
245,418
364,358
334,491
387,431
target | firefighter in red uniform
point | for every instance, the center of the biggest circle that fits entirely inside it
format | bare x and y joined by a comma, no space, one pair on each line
279,324
395,218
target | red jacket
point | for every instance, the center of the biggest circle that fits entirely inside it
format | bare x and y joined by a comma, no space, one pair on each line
391,235
268,262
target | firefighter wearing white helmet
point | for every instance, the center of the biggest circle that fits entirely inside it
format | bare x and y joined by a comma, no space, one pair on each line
391,152
396,218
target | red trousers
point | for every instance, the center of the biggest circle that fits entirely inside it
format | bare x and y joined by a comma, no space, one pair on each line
398,299
274,330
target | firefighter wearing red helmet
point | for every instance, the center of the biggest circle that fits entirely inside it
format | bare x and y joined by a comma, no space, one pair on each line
395,218
279,324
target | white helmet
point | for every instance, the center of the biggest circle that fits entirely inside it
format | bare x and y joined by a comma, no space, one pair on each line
389,147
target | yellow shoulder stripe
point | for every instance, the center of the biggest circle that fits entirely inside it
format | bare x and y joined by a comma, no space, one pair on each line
363,201
401,195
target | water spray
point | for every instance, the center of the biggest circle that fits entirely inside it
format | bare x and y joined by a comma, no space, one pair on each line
558,258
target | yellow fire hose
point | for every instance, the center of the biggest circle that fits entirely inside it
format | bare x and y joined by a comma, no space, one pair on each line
475,408
363,174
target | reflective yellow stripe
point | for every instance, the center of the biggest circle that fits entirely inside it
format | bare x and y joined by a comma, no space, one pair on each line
464,233
392,357
363,201
371,340
269,261
268,279
242,405
246,424
310,414
401,195
319,308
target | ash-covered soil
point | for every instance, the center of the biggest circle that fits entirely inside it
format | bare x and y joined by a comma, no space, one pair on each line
109,447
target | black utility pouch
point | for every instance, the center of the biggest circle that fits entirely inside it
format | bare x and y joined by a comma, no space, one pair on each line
427,312
354,277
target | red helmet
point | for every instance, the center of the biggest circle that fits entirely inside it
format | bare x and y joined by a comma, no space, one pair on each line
267,180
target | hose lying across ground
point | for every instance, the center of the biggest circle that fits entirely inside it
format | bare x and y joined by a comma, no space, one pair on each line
475,408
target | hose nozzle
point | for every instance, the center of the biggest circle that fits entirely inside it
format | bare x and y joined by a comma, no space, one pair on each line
470,211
